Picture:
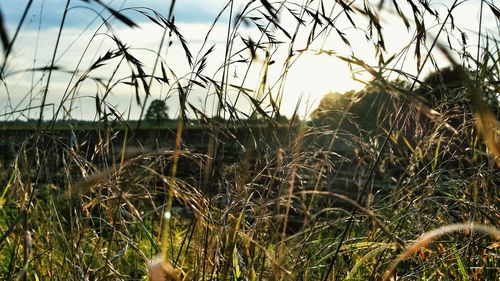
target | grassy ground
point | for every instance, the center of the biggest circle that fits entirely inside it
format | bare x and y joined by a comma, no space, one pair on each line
399,180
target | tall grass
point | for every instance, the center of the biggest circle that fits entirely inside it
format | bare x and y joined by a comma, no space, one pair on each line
357,190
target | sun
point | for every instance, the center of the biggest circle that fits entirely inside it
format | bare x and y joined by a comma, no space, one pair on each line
312,76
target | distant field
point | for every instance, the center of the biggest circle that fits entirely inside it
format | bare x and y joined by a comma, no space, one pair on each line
82,125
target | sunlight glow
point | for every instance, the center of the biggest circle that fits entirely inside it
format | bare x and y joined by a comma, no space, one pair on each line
313,75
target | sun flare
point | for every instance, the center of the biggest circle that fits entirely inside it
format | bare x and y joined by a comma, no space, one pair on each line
312,76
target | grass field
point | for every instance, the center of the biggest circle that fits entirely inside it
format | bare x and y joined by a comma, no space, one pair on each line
396,181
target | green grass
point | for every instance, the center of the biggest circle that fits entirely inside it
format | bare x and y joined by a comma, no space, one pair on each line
373,184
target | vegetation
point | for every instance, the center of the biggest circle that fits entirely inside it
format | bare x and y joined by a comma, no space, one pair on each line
398,180
157,112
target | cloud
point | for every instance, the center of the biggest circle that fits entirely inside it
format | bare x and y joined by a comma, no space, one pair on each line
78,50
49,13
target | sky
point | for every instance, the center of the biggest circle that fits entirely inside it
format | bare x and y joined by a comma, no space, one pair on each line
296,85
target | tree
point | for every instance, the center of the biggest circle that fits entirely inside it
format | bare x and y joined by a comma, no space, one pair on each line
448,88
444,87
331,109
157,112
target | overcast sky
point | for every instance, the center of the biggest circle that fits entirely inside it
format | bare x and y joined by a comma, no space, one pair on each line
84,39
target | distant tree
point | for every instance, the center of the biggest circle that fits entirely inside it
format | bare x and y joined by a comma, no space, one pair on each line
157,112
331,108
216,120
281,119
295,119
447,87
372,107
255,119
367,109
443,87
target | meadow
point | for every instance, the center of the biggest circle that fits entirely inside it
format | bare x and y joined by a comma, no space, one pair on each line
395,181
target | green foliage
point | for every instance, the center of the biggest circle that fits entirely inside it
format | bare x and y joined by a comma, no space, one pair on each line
332,107
364,109
157,112
446,87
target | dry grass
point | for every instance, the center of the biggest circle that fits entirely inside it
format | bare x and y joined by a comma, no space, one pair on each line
358,191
